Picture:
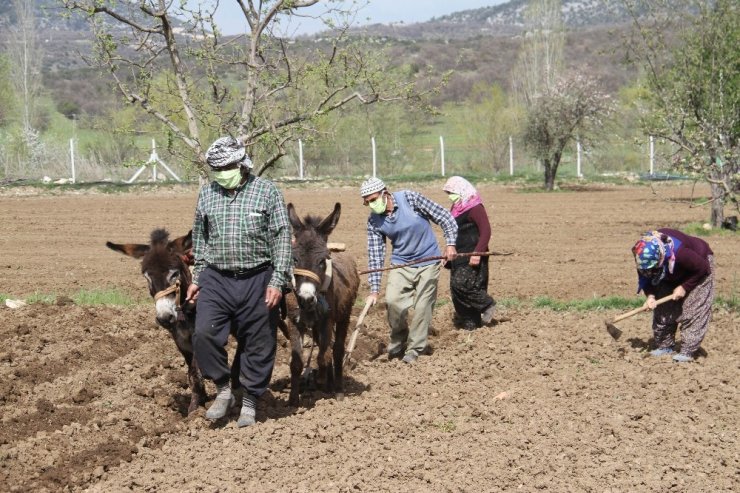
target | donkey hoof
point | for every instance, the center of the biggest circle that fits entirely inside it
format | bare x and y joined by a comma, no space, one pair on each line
193,407
340,396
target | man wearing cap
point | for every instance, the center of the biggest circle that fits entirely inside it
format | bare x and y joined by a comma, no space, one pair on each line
403,217
241,246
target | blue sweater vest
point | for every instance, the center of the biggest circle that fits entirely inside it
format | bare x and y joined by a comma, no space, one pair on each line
410,233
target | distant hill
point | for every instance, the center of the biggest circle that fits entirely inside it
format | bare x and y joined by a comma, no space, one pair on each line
48,16
503,20
480,45
576,13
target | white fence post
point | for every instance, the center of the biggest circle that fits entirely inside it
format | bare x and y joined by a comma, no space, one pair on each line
372,141
153,160
511,156
442,152
578,159
652,154
72,158
300,159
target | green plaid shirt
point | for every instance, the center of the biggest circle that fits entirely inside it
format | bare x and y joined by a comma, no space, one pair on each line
243,230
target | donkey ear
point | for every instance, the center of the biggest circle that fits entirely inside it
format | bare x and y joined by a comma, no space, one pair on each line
131,249
295,221
328,224
183,243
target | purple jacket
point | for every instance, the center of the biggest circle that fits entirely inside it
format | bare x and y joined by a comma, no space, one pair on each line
692,263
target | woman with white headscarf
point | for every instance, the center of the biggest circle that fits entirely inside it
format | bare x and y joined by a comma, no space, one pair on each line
469,275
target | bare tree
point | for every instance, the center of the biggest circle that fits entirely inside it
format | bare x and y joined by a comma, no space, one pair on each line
541,55
573,108
557,109
26,57
490,120
171,60
692,71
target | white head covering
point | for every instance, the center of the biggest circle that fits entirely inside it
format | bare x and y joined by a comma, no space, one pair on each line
371,186
225,151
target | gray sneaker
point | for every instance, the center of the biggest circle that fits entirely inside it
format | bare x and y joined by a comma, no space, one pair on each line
487,315
220,407
409,357
246,419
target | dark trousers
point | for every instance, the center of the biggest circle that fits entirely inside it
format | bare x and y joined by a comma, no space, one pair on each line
223,301
469,289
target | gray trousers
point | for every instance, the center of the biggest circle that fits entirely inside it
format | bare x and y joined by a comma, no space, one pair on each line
411,287
223,301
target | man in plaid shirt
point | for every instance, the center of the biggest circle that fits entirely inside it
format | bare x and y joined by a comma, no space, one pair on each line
403,217
241,246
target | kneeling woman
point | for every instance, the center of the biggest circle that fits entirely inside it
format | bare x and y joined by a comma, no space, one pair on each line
671,262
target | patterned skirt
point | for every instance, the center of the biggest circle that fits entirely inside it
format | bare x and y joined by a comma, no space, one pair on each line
693,313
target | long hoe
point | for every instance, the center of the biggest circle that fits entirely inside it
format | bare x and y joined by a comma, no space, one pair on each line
353,337
615,332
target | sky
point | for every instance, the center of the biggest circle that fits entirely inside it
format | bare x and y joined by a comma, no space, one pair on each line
231,21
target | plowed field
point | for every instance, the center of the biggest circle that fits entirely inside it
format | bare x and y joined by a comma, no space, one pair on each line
92,398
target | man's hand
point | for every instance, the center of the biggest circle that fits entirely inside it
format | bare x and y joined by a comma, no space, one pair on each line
679,293
475,261
450,254
372,298
192,295
272,297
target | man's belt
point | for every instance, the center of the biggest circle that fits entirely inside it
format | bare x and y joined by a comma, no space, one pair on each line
242,273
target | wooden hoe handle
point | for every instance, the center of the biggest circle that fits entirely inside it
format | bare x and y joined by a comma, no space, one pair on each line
641,309
353,337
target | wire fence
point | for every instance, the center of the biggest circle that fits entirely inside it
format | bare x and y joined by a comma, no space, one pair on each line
437,155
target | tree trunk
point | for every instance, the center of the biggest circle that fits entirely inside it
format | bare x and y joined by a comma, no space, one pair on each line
718,205
549,175
551,169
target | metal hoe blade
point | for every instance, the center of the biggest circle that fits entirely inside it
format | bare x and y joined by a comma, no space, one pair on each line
613,330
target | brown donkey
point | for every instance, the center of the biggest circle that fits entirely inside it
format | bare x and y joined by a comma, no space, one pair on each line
164,265
325,286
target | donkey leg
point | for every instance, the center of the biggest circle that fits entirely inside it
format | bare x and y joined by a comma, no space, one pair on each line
325,368
296,366
339,340
235,375
195,382
236,386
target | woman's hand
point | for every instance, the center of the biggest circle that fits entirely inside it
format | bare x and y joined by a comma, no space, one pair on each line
475,261
679,293
650,303
372,298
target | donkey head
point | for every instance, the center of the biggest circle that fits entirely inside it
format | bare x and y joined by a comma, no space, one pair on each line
164,266
310,254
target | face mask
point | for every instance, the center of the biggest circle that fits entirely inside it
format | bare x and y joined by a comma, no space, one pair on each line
655,274
454,197
379,205
656,279
228,179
